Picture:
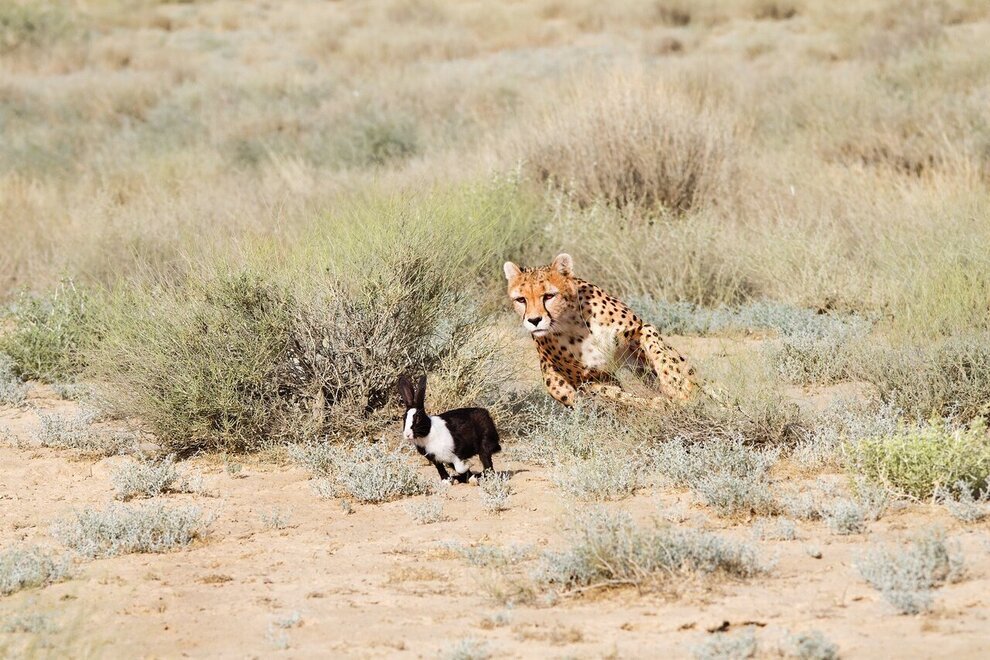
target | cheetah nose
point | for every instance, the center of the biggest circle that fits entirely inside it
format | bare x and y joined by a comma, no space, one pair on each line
535,321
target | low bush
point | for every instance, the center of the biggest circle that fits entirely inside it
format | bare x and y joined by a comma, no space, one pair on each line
495,491
916,461
603,475
23,567
608,549
810,645
77,433
121,529
149,477
727,646
963,503
49,336
631,142
12,390
427,511
906,577
368,473
942,377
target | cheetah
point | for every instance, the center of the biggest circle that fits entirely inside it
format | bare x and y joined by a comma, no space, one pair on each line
582,334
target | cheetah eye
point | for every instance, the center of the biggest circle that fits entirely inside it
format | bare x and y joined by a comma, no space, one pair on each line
548,296
521,300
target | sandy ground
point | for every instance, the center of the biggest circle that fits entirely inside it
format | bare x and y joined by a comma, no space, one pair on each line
373,583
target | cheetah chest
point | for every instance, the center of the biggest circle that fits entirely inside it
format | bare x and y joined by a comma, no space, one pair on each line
596,346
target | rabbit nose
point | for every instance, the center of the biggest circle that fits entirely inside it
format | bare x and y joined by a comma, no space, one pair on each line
535,321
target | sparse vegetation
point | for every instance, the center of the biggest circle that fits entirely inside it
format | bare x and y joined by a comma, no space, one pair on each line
604,475
727,646
78,433
149,477
427,511
275,518
12,390
121,529
907,576
495,491
368,473
608,550
24,567
810,645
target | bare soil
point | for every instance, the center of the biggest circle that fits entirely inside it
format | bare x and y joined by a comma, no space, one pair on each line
373,583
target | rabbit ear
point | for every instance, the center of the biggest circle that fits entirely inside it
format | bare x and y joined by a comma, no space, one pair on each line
421,393
406,391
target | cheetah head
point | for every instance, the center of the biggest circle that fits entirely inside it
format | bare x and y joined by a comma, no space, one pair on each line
542,296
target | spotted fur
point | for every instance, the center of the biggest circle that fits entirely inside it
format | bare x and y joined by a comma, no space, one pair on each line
583,334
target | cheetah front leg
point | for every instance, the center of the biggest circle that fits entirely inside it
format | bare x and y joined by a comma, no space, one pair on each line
557,384
674,376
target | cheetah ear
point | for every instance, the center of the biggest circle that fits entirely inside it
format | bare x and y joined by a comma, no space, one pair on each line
564,264
511,270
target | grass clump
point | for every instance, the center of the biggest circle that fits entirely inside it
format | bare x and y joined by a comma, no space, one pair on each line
468,649
942,377
12,390
121,529
368,473
907,576
27,24
631,143
24,567
604,475
810,645
607,549
275,518
148,477
915,461
495,491
427,511
726,646
50,335
78,434
963,503
726,474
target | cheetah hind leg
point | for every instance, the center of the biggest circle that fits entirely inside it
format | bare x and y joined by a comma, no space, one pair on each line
615,393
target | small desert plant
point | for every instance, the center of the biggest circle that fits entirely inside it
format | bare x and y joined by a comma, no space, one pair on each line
77,433
377,138
12,390
774,529
944,377
468,649
50,334
727,646
846,517
149,477
810,645
631,142
725,474
28,622
23,567
120,529
608,549
810,358
427,511
603,475
552,436
906,577
368,473
275,518
495,491
963,504
489,556
915,461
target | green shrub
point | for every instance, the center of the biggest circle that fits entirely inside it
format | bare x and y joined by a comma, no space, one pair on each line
50,335
917,461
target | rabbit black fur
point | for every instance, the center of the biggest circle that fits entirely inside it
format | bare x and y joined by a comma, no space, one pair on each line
449,438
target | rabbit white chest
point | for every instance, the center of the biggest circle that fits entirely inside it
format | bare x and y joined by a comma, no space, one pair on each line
439,443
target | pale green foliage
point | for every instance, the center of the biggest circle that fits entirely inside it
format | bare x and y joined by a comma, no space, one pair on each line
148,477
810,645
79,434
606,474
917,460
495,491
727,646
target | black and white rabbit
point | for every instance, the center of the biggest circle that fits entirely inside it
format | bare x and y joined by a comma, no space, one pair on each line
449,438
